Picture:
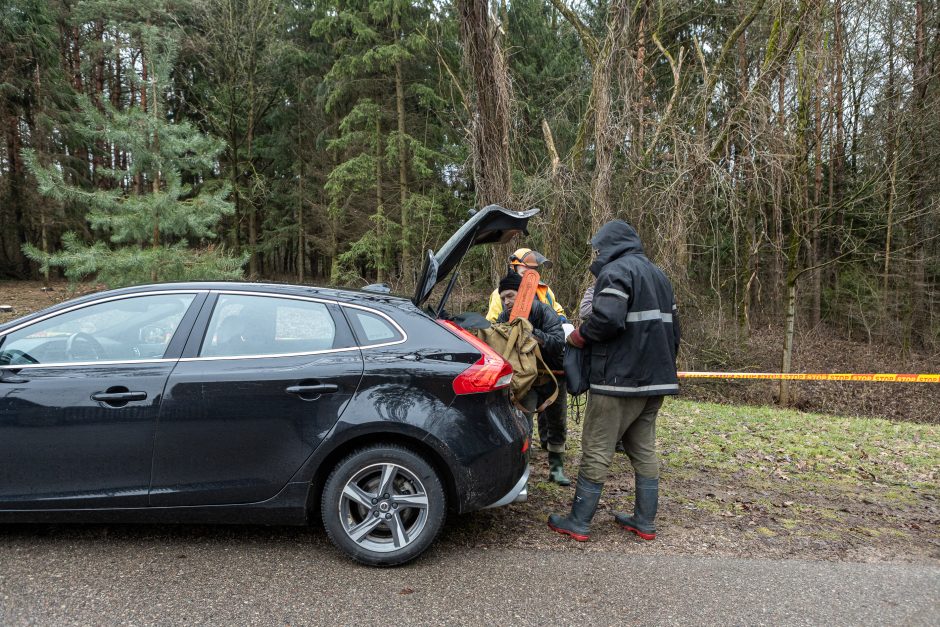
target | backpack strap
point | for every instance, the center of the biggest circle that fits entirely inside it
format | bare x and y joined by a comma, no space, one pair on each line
544,367
511,342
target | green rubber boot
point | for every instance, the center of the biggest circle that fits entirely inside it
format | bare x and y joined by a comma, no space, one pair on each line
644,511
556,472
577,524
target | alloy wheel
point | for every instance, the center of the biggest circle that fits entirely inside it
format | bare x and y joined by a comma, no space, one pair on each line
384,507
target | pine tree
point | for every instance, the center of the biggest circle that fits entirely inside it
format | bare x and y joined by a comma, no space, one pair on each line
153,207
296,223
33,89
393,139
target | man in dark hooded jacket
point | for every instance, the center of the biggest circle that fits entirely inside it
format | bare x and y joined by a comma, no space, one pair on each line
632,334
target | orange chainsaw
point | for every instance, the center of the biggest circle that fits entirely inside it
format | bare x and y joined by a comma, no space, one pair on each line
525,295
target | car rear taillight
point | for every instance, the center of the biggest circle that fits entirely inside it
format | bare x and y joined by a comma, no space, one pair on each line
490,372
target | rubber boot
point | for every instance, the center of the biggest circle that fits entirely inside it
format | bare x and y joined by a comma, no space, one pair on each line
556,471
577,524
644,510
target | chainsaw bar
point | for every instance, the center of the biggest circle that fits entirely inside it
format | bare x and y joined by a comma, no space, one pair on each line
525,296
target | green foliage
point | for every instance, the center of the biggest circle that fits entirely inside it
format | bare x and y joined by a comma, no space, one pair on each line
27,41
549,74
132,265
147,203
317,174
364,253
375,42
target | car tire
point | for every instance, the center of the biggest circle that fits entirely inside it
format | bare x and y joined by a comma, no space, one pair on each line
383,505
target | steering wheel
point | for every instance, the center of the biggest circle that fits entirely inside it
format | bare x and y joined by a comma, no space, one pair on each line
96,347
13,353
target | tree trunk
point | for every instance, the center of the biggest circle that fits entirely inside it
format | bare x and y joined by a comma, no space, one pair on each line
489,134
139,177
116,83
777,211
157,175
553,237
236,191
407,271
252,212
919,190
75,59
301,243
16,184
334,249
39,144
639,141
743,160
799,209
486,65
381,257
604,138
789,326
815,311
891,160
606,132
838,148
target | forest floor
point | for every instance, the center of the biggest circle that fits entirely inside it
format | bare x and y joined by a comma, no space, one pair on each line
752,482
29,296
746,480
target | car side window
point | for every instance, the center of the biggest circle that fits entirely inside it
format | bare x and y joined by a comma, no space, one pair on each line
127,329
371,328
244,326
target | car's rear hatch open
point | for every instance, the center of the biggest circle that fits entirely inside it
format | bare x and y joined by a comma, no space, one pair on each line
491,225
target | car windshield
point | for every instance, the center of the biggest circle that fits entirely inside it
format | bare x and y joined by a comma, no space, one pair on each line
137,327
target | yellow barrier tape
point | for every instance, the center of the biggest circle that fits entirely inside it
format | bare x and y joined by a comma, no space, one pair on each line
879,377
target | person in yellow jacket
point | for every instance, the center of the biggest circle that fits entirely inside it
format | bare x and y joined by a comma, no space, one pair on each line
521,261
553,420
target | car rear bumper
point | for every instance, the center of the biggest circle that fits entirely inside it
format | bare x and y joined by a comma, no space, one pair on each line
487,437
518,494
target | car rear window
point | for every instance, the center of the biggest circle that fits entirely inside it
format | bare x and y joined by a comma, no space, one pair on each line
372,328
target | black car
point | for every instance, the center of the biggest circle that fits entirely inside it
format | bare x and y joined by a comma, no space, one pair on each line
263,403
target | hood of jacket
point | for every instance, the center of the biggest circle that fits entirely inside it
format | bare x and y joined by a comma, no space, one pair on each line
613,240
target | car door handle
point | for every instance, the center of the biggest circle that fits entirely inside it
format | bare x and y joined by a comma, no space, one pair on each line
119,397
321,388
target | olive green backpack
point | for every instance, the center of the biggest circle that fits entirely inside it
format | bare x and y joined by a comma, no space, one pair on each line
515,342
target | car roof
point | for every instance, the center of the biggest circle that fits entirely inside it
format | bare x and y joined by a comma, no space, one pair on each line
353,296
348,294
